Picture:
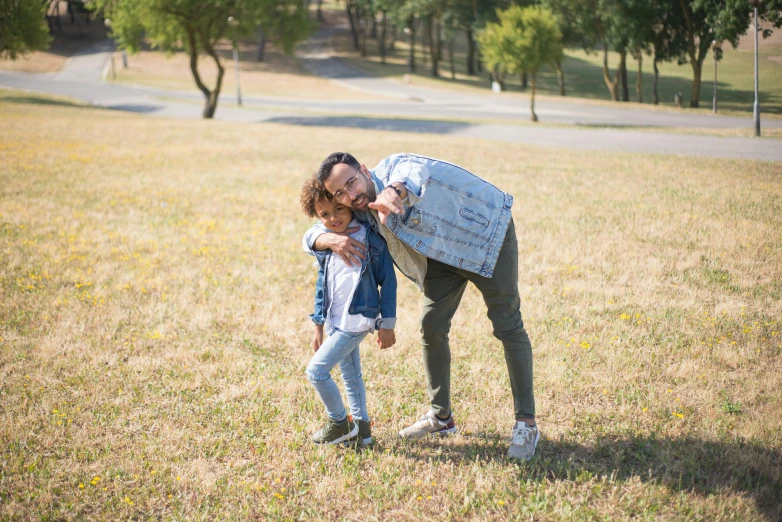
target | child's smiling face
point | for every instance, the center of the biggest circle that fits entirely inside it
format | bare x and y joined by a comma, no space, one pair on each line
333,214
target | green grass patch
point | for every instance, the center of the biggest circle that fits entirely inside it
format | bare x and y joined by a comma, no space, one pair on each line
584,75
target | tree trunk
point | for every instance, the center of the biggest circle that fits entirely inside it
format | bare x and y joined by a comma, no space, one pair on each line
623,68
260,52
320,11
211,104
362,32
611,84
411,51
57,15
211,96
438,30
353,29
497,77
431,33
450,55
392,40
382,42
560,77
479,60
639,78
696,60
533,116
470,53
373,34
655,98
697,69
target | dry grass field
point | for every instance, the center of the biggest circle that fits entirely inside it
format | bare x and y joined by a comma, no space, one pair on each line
154,333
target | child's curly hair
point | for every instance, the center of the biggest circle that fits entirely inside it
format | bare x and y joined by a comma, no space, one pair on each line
312,191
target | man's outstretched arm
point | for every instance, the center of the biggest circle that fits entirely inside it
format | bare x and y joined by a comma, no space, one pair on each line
389,201
318,239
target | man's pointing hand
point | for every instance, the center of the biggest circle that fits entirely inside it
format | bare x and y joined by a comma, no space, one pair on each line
389,201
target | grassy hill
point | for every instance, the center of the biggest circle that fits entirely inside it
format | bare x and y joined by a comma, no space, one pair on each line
154,333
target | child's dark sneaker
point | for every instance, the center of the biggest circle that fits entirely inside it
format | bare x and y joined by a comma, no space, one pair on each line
364,432
335,432
429,424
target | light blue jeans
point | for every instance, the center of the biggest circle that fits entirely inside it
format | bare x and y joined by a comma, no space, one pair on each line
340,347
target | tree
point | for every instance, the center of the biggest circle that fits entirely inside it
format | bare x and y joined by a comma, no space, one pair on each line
196,26
524,39
596,23
287,20
23,27
667,40
722,20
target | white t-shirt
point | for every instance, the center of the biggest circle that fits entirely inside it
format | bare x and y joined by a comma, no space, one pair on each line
342,281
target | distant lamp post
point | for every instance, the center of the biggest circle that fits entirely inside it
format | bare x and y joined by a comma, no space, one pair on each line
755,4
107,23
717,48
233,21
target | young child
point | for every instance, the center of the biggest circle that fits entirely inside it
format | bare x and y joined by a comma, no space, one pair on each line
348,303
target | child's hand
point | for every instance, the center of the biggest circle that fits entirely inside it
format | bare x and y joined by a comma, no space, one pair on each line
318,340
385,338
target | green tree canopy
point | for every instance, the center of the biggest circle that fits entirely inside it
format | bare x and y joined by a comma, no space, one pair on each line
23,27
197,26
523,40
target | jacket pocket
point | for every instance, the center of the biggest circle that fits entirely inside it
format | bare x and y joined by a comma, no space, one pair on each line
414,219
476,218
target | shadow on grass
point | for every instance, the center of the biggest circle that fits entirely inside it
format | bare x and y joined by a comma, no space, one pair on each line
682,464
382,124
134,107
38,100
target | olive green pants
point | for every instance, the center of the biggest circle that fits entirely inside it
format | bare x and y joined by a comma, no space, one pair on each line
443,289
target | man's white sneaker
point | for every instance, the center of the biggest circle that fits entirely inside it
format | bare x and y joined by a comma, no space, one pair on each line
429,424
523,441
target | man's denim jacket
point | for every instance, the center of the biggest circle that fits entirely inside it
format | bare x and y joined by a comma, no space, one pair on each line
450,215
377,270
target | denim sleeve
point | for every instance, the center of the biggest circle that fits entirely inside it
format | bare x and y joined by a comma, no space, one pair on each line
412,173
308,241
386,278
317,315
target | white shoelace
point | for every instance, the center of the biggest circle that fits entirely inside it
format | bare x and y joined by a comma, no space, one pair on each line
426,419
521,435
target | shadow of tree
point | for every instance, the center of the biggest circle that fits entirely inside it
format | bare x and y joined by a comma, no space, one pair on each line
705,467
39,100
359,122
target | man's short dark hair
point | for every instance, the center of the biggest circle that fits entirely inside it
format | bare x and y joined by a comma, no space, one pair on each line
334,159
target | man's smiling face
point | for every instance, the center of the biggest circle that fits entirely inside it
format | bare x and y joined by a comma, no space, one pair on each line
350,186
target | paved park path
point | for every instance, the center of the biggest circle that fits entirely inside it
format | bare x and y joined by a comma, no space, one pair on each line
411,108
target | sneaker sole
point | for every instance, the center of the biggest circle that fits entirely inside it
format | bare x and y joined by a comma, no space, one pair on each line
343,438
441,433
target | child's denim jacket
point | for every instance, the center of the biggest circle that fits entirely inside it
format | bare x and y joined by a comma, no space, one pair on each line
376,270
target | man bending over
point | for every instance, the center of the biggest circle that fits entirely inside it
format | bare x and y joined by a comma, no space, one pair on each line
445,227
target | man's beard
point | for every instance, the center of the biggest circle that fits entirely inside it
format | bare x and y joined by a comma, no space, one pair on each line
371,195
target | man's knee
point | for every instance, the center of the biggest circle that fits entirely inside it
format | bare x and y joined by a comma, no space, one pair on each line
508,325
433,330
513,339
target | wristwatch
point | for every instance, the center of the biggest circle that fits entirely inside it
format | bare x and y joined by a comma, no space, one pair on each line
398,192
